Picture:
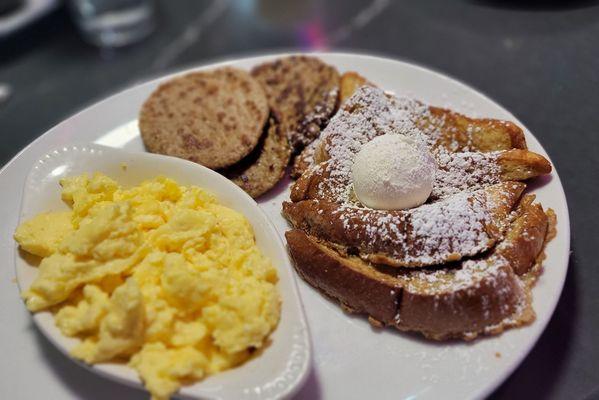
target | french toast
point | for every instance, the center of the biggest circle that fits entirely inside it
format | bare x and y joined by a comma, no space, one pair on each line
483,295
459,265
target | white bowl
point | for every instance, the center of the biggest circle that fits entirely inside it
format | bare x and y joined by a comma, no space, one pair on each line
284,364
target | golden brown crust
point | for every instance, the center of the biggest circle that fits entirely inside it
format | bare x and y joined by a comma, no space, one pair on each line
437,303
519,165
463,312
472,134
552,225
349,82
526,236
349,280
264,166
214,118
302,92
306,186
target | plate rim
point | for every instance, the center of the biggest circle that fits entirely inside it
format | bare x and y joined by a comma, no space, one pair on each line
564,226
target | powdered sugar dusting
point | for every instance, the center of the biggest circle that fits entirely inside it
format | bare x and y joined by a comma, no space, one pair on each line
464,171
426,235
367,114
450,280
456,225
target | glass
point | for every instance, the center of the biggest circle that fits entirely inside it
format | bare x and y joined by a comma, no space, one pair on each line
113,23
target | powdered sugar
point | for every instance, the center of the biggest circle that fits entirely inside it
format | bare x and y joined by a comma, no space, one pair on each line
464,171
450,280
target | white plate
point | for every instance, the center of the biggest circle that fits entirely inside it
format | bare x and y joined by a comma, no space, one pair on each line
351,359
283,365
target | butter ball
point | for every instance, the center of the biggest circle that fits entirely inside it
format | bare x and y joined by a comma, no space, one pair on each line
393,172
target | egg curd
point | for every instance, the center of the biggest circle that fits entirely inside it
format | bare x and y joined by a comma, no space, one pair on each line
159,275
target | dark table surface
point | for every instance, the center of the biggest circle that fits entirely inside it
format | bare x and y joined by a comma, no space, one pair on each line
538,59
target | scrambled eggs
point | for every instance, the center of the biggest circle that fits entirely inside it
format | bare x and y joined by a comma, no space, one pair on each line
160,275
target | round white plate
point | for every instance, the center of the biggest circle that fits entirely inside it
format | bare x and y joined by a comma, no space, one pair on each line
351,359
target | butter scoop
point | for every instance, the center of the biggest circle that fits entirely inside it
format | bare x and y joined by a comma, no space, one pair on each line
393,172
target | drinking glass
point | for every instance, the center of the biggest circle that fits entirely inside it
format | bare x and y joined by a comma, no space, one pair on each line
113,23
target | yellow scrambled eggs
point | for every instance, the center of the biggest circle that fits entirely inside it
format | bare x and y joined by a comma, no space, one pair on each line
159,275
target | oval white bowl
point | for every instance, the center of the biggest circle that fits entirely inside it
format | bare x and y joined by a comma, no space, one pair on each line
283,365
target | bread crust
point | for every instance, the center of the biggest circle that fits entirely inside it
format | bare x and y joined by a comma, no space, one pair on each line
476,134
519,165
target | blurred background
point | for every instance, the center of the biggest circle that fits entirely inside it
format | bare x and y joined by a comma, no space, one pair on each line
539,59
